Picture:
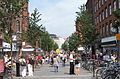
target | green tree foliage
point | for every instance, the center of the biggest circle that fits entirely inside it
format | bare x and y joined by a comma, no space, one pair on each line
117,22
87,29
36,32
9,9
73,42
65,46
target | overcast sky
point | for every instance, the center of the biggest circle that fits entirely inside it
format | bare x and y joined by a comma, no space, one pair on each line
58,16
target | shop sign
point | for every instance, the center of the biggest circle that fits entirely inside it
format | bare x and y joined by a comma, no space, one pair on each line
117,36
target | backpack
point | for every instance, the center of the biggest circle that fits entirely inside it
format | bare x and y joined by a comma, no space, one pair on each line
76,61
23,63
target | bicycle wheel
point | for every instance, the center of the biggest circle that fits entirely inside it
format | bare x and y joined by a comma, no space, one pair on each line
111,76
118,76
108,77
98,73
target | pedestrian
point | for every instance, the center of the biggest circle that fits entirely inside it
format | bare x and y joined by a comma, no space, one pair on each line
30,68
114,57
71,63
23,66
33,61
56,63
77,64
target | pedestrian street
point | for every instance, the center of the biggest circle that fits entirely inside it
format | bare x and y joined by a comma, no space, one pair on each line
47,72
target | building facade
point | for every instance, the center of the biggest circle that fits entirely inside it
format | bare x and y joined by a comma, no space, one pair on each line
20,23
103,20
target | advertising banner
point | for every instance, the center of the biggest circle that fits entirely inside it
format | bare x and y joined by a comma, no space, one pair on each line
1,65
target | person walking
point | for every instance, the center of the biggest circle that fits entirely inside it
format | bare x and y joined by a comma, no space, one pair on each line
23,66
71,63
55,64
77,65
30,68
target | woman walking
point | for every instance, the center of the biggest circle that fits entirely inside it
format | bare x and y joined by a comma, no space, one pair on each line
77,65
30,68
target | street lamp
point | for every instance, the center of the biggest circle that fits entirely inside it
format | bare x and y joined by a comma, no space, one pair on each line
19,46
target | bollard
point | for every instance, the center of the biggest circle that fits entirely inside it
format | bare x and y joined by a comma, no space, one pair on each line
93,68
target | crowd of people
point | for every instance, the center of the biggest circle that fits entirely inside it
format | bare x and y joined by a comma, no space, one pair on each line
28,63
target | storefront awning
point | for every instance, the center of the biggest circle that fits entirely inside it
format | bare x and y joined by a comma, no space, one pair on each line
28,49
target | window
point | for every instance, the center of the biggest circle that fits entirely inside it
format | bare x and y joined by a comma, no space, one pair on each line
119,3
107,28
102,15
106,13
114,5
95,8
102,1
97,20
111,28
103,30
110,9
99,4
17,25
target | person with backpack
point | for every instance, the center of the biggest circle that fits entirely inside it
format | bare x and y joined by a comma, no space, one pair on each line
30,68
77,65
23,66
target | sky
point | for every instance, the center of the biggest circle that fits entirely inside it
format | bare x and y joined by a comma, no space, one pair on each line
58,16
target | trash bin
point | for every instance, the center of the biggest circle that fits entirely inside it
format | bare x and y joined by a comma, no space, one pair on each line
17,69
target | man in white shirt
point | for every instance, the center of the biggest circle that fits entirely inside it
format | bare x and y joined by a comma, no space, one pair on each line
71,63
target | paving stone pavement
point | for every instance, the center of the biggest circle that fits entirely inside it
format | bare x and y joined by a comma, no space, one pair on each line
47,72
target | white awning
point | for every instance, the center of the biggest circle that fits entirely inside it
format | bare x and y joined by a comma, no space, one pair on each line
28,49
80,48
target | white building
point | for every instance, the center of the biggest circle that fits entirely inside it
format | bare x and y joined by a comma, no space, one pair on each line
58,40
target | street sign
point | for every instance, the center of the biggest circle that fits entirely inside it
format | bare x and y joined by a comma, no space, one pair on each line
117,36
14,38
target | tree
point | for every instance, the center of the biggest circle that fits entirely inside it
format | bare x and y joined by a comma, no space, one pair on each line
73,42
65,46
34,30
88,30
116,24
37,33
9,9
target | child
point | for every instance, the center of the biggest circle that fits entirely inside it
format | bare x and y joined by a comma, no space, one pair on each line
77,65
56,63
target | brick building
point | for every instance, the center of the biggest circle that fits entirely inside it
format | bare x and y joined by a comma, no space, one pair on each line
20,23
103,19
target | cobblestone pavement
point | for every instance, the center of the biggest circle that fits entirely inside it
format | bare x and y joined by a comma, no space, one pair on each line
47,72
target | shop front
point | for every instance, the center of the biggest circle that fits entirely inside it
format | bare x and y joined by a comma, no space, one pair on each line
109,45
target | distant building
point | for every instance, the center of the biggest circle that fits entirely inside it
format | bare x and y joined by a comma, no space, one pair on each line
54,36
58,40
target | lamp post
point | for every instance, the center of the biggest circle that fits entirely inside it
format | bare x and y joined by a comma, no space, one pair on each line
19,46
